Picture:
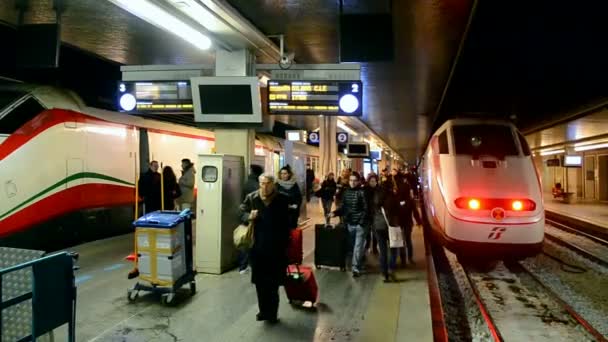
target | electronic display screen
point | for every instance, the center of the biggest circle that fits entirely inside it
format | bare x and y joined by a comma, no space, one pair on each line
343,98
155,97
573,161
225,99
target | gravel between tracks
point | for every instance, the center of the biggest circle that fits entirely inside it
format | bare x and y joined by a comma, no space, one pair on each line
452,299
477,324
595,248
523,310
587,293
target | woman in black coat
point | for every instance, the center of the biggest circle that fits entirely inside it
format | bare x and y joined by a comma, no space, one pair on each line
171,190
267,209
288,186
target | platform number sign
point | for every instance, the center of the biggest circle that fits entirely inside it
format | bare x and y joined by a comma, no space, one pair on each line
342,138
313,138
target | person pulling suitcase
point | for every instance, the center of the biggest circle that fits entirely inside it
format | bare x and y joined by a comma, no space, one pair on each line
354,213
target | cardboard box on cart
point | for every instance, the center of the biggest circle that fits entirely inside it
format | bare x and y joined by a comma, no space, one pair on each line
162,246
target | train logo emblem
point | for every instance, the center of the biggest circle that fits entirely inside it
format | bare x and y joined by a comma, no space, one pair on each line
496,233
498,214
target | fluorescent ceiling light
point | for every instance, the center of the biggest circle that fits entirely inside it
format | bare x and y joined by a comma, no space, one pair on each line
590,147
344,127
549,153
586,143
161,18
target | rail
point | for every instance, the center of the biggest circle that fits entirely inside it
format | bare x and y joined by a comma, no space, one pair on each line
52,293
440,333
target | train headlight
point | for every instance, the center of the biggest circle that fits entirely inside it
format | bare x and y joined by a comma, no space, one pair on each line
128,102
517,205
474,204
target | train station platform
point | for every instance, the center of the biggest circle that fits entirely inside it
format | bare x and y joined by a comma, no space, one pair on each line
592,215
224,308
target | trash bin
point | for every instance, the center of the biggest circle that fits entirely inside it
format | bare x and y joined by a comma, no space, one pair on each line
164,246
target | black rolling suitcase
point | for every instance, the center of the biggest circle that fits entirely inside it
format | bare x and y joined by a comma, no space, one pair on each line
331,244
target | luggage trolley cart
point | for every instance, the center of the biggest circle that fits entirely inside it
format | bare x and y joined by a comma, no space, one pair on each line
164,254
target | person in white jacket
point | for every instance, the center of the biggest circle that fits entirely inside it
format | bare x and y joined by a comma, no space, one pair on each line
186,185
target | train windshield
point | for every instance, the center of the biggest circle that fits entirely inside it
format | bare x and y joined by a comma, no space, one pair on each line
476,140
8,97
18,116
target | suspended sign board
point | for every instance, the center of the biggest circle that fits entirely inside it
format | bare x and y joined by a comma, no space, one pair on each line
155,97
343,98
341,138
313,138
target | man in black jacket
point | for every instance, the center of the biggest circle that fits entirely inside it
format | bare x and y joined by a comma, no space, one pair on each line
354,212
149,188
252,185
267,209
407,212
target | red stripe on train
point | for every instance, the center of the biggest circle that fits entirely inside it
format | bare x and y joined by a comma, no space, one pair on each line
76,198
52,117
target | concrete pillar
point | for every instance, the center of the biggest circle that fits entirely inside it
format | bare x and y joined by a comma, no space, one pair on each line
239,142
328,147
211,226
288,157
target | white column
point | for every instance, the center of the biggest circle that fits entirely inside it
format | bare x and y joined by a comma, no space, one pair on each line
328,154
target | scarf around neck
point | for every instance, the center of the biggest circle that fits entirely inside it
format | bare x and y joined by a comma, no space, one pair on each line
288,184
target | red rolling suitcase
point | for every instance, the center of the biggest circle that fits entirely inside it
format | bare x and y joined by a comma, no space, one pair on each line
301,285
295,250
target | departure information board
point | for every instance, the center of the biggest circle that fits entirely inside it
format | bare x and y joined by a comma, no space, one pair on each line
344,98
155,96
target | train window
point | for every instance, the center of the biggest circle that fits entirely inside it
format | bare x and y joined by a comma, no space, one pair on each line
443,143
524,144
8,97
476,140
21,114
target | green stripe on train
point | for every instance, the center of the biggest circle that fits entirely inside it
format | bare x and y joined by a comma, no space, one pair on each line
65,181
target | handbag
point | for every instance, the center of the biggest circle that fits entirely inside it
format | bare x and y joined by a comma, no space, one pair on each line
395,234
243,236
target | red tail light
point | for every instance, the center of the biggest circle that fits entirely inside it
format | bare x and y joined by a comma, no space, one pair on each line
491,203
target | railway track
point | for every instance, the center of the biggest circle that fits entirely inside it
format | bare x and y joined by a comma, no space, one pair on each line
517,306
584,244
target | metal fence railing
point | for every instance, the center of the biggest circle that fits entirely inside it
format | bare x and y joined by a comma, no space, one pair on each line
36,296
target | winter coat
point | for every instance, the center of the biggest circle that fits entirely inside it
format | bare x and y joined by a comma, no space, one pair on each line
171,193
268,255
251,185
328,189
341,187
354,207
149,190
294,197
186,186
406,205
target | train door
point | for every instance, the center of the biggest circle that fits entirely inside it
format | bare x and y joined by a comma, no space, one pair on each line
144,150
602,166
590,177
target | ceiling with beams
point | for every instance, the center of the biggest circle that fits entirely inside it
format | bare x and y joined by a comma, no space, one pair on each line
534,60
427,33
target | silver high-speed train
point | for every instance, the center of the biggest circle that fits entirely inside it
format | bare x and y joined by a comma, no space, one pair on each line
482,195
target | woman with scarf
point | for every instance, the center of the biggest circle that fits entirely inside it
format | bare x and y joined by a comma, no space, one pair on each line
288,186
267,210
